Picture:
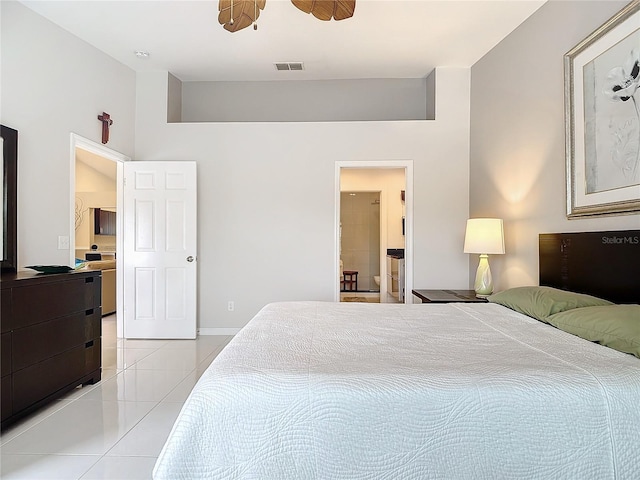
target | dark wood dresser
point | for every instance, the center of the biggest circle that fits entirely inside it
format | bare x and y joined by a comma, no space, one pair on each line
51,338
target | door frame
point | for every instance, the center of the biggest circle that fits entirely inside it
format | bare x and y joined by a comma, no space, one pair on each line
77,141
408,238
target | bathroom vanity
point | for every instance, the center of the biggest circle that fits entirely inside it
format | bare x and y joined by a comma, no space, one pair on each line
395,274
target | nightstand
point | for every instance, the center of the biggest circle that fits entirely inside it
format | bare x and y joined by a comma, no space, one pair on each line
448,296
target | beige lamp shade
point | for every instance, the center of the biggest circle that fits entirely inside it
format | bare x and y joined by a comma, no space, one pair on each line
484,236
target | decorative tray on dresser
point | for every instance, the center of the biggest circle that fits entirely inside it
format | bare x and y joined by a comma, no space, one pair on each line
51,337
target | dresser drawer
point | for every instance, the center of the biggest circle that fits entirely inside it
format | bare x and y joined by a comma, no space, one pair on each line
5,311
93,357
6,408
43,340
43,379
39,303
5,354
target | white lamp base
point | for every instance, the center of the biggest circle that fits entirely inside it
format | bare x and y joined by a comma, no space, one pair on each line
484,282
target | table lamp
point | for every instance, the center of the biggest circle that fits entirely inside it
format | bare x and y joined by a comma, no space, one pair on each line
484,236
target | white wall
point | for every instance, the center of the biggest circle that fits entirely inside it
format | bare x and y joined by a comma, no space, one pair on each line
517,136
54,84
306,101
174,100
266,195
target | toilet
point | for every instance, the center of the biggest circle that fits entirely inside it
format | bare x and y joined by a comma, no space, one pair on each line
376,278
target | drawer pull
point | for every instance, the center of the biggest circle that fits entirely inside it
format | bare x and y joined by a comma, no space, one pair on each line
88,312
88,344
88,280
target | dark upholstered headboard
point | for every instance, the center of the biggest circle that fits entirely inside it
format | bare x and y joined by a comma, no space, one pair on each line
603,264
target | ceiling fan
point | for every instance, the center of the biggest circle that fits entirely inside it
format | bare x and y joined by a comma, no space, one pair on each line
238,14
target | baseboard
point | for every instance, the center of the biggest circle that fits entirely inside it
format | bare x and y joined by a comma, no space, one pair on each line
218,331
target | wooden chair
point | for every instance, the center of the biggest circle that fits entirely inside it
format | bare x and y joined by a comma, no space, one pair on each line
349,282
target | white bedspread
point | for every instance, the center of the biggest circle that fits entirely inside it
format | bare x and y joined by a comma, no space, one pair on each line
313,390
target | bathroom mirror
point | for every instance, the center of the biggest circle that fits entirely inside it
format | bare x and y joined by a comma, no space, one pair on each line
9,246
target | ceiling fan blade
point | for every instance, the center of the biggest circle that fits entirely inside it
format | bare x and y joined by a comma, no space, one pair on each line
305,5
344,9
323,10
245,12
327,9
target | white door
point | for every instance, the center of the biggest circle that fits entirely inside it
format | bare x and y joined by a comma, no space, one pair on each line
159,249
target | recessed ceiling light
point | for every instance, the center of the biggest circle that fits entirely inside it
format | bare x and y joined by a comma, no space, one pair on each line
142,54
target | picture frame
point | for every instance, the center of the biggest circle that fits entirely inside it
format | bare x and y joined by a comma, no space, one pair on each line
602,119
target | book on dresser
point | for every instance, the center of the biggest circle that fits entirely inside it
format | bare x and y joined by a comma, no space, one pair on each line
51,338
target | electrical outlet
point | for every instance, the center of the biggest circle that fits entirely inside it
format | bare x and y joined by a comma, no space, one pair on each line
63,242
230,306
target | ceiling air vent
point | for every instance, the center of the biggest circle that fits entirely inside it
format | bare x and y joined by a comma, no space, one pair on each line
289,66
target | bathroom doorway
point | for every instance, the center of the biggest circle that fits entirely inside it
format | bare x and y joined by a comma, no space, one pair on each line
392,182
360,246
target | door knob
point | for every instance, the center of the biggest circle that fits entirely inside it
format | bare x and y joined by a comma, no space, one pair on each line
190,258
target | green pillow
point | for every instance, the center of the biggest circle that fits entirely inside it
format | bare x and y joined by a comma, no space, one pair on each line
615,326
542,302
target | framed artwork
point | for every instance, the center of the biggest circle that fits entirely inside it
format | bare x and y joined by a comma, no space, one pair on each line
602,117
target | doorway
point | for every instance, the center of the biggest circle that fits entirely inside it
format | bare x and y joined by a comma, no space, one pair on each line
393,180
108,164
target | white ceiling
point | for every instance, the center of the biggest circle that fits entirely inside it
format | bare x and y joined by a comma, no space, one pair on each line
384,38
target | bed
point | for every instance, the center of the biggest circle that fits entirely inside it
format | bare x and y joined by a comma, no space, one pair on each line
319,390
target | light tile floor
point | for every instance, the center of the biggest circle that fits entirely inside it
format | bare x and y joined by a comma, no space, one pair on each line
116,428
